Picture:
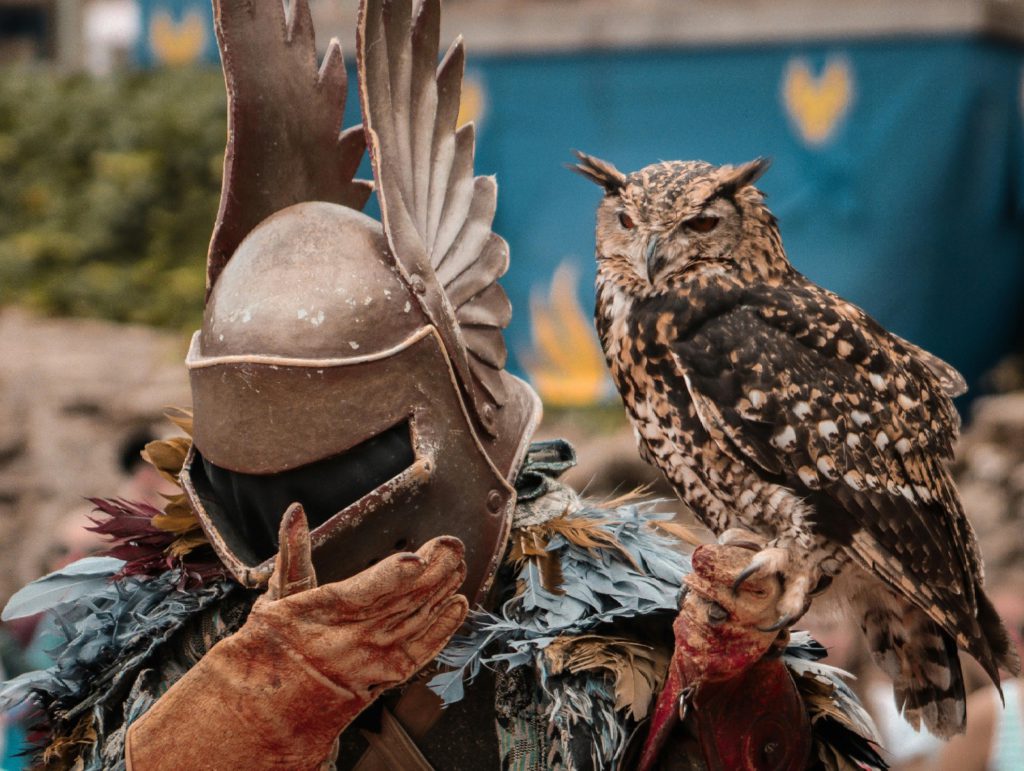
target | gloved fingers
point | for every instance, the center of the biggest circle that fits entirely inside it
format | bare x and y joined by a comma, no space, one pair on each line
390,657
406,581
443,548
445,572
411,616
443,576
443,623
417,641
393,586
445,567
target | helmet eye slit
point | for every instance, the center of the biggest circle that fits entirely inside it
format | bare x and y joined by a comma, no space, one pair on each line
324,487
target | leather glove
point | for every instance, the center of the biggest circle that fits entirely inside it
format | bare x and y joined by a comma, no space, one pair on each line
722,630
737,699
307,661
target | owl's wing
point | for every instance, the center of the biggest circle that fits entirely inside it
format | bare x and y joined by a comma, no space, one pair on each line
285,143
821,398
437,215
952,382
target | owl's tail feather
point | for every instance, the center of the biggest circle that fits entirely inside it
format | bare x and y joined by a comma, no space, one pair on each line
921,659
995,650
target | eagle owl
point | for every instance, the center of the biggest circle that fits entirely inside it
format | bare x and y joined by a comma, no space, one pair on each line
776,407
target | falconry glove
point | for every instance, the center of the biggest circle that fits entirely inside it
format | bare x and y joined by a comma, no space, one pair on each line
735,701
276,694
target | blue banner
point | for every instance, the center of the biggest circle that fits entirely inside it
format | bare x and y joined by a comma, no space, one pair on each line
897,174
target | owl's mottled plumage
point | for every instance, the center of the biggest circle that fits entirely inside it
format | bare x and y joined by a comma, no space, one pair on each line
775,406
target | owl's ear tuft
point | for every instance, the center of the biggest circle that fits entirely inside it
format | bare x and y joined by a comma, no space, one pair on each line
601,172
737,177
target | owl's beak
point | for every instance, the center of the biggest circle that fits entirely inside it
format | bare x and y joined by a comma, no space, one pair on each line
651,257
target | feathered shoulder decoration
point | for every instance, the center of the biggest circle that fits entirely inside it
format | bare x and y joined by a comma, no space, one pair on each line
584,632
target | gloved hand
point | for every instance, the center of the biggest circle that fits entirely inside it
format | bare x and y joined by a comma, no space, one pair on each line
721,629
738,699
307,661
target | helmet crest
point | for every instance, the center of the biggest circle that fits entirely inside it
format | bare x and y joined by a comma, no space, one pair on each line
353,366
284,116
437,216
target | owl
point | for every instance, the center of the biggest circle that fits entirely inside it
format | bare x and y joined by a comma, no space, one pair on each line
775,407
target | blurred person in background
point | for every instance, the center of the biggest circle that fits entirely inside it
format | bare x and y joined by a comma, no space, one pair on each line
27,644
994,740
143,482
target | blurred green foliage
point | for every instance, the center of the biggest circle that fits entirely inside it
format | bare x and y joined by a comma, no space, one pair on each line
108,192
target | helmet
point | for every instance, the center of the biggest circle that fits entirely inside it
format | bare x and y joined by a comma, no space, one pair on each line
354,367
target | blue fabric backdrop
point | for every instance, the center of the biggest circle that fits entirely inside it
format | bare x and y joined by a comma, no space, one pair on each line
912,206
898,174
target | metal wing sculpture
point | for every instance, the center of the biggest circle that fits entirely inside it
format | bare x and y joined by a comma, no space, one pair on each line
285,143
437,215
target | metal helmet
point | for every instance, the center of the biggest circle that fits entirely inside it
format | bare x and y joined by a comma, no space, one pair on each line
354,367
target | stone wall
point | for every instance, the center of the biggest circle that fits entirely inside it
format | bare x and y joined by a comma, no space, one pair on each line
72,392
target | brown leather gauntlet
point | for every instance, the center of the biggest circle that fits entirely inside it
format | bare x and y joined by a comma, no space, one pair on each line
276,694
727,702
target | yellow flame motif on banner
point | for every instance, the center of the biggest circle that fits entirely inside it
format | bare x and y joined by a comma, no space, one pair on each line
177,43
817,105
566,365
474,102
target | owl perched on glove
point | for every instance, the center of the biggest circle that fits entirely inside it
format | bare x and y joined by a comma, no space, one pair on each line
775,406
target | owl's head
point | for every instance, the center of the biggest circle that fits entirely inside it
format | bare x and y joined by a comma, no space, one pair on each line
674,216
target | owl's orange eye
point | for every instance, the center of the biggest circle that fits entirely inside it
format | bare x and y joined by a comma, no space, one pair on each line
702,224
626,221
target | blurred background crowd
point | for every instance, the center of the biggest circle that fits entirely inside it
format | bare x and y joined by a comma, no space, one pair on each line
896,129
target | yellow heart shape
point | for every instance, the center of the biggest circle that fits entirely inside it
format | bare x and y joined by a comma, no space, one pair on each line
817,105
173,43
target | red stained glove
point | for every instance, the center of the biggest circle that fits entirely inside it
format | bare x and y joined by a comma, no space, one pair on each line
276,694
740,706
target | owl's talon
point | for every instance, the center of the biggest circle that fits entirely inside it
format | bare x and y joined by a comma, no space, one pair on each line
795,578
819,588
745,539
753,546
750,570
784,622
